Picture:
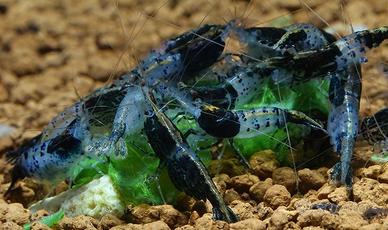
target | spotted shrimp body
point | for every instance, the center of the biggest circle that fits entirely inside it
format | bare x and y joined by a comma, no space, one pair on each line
340,61
48,159
98,124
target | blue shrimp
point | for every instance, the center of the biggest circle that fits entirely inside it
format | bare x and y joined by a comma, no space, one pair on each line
340,60
98,124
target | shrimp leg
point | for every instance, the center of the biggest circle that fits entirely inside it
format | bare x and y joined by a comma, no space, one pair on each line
185,169
345,92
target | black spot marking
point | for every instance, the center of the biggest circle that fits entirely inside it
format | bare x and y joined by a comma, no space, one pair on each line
219,123
277,123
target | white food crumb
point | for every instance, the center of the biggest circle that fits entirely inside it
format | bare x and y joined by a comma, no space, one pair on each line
94,199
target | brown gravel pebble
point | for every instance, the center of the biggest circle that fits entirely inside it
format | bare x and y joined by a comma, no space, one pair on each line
374,226
244,182
338,195
10,226
221,181
372,171
310,179
285,176
290,225
325,190
312,217
200,207
313,228
281,217
277,195
229,166
193,217
248,224
243,210
231,195
167,213
39,226
26,192
369,189
186,227
109,221
6,142
185,202
257,191
206,222
3,93
78,223
263,212
300,204
39,215
14,213
157,225
383,177
264,163
351,219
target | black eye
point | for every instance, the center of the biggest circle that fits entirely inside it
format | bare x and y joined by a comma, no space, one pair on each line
149,113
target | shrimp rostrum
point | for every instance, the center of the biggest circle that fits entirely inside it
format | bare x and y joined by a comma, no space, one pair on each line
139,101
